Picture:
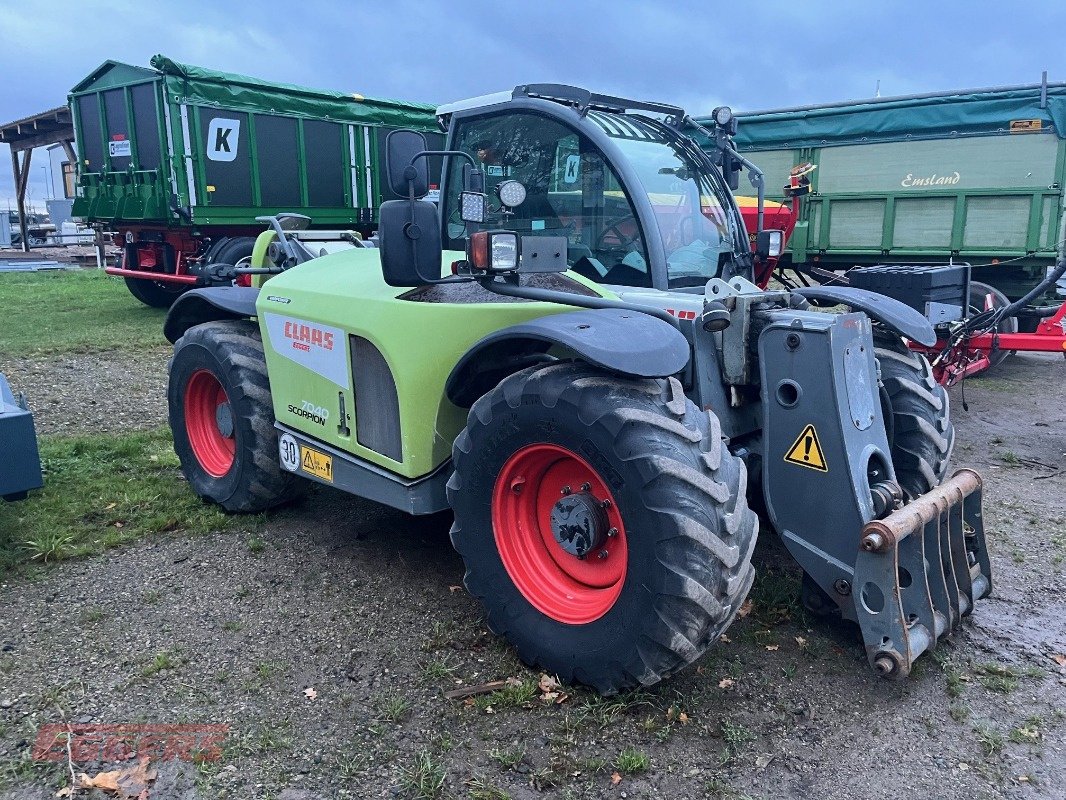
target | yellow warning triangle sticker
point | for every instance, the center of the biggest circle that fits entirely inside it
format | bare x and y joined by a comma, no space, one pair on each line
807,451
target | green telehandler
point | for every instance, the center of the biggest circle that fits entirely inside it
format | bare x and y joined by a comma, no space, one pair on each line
570,355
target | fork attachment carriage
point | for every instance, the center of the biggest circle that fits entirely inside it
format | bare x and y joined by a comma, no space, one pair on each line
919,572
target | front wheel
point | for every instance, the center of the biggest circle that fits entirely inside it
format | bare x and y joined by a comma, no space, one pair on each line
222,418
602,522
917,414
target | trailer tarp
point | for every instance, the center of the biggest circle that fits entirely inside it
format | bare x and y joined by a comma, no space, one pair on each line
940,116
198,85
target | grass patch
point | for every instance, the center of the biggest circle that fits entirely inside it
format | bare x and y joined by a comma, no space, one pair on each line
508,758
87,312
631,761
424,779
103,491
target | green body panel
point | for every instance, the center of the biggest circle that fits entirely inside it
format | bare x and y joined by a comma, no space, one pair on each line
421,343
924,179
322,138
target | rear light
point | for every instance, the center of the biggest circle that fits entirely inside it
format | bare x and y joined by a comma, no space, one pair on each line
243,280
479,250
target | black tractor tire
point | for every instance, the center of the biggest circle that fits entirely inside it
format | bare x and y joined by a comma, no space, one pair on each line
222,418
155,293
677,502
918,416
978,293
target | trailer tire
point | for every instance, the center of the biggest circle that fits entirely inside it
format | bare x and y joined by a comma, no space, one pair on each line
222,418
1009,325
918,416
678,563
155,293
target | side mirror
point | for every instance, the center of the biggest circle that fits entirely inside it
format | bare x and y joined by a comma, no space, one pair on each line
404,172
769,244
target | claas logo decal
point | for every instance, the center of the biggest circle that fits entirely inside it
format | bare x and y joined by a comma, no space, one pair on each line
304,337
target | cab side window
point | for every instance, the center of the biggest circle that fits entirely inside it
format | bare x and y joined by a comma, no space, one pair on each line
571,191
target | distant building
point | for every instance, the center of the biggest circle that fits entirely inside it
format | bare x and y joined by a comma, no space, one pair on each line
61,172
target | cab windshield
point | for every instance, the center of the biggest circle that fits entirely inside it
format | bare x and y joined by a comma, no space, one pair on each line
572,191
698,231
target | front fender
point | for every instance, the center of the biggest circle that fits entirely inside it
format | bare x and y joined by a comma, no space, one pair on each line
887,310
617,340
207,305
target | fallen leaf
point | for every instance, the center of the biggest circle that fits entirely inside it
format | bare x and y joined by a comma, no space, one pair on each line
772,647
126,784
671,712
549,683
310,693
801,641
108,507
745,609
1059,659
1023,779
615,779
108,781
724,639
120,525
513,681
454,589
66,791
725,683
763,761
682,718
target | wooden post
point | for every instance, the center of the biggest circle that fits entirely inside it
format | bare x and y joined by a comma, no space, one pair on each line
22,175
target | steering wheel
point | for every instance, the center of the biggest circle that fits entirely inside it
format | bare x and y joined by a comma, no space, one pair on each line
623,241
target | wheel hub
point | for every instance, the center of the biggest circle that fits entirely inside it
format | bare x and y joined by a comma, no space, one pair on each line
578,523
224,420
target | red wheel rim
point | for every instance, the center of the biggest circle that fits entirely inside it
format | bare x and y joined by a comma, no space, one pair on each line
209,423
557,583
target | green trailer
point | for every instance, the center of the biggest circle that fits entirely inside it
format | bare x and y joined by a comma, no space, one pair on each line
177,162
969,176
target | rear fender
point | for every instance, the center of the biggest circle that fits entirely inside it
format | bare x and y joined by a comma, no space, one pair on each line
618,340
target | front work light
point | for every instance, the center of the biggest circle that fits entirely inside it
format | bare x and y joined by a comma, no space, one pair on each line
472,206
511,193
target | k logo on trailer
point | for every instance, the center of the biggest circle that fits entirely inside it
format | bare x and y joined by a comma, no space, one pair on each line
222,136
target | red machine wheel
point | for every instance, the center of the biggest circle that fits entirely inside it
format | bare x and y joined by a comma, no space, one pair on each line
222,418
209,423
602,521
525,518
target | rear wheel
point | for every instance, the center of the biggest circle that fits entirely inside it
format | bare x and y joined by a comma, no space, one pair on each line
603,523
156,294
918,416
222,418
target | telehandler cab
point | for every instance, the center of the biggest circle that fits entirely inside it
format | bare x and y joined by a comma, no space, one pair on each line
571,357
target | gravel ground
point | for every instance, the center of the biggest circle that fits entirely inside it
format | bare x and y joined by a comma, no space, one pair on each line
93,393
363,605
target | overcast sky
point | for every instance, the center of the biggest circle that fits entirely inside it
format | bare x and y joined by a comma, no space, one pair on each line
699,54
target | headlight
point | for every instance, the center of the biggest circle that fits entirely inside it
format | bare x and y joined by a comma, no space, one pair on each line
503,255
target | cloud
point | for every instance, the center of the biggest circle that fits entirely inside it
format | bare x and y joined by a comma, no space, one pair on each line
698,54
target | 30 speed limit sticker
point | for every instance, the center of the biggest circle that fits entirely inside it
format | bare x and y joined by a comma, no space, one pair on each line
289,451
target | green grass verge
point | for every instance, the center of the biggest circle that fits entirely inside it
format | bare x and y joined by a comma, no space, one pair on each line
102,491
73,311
